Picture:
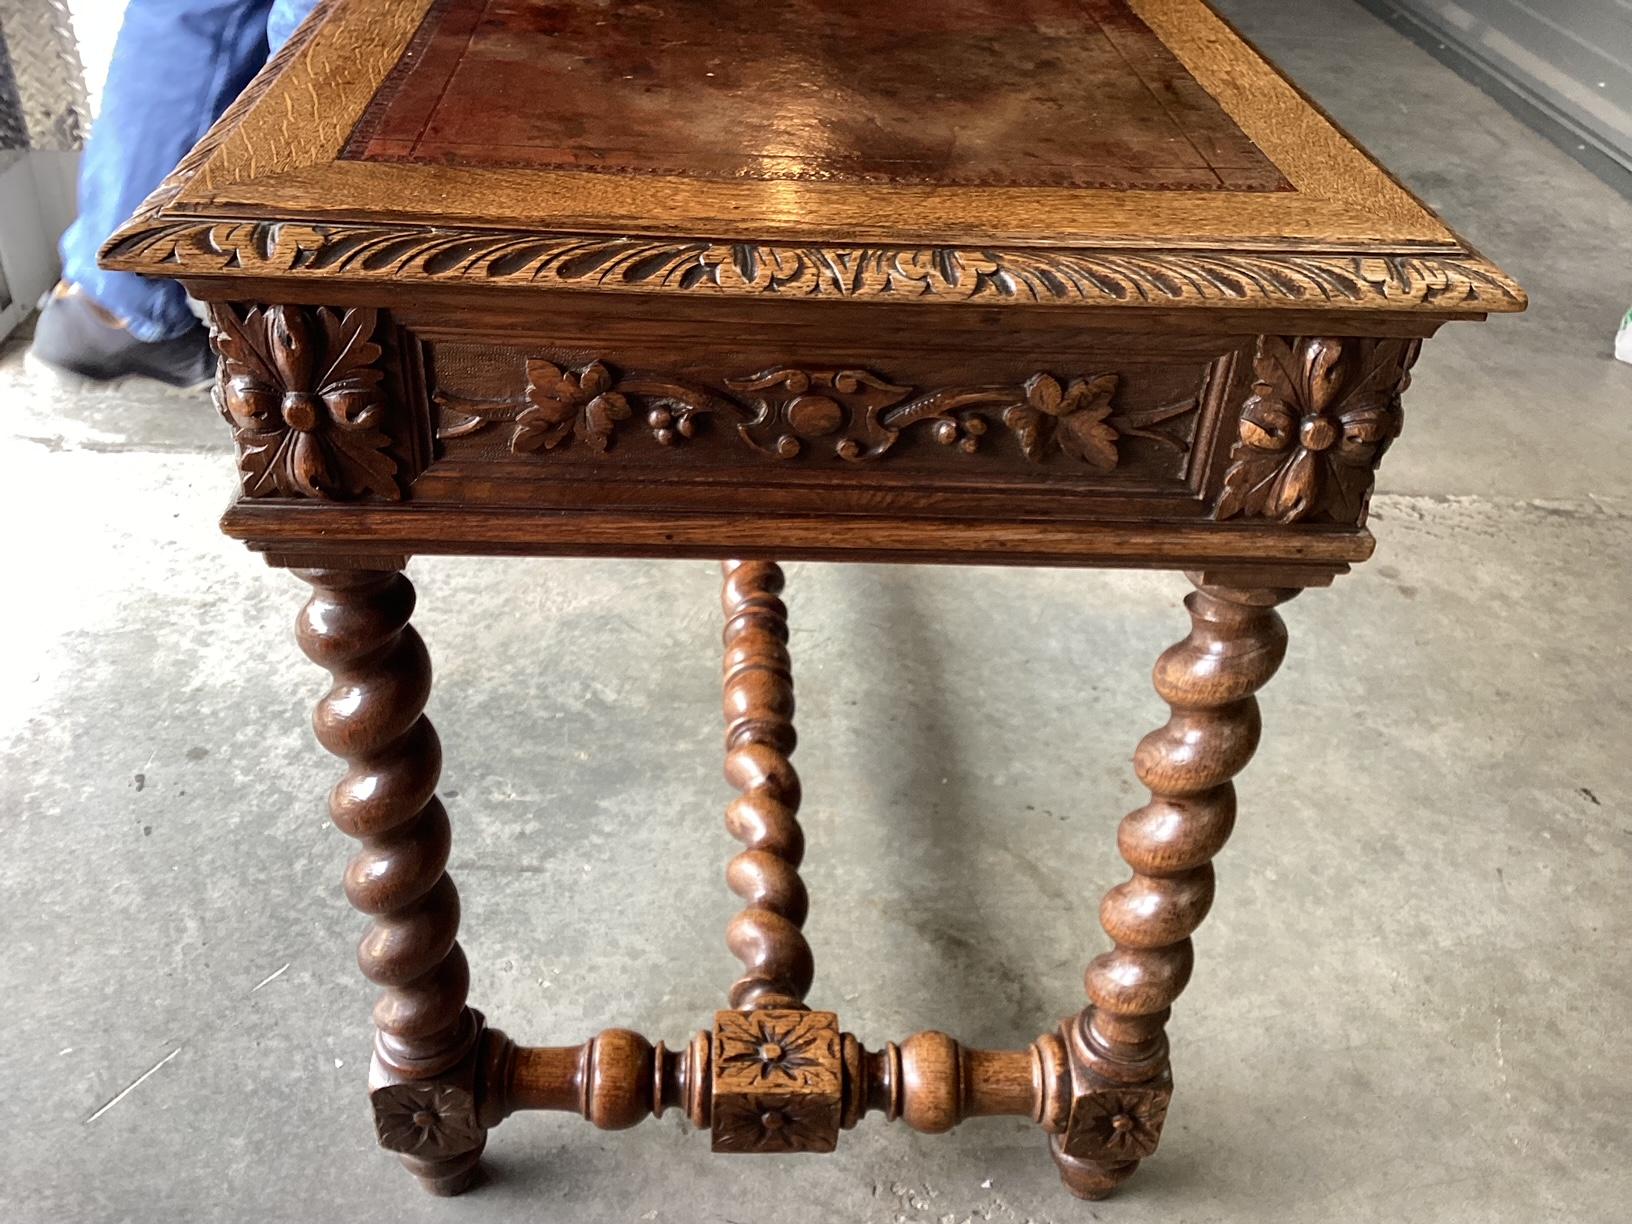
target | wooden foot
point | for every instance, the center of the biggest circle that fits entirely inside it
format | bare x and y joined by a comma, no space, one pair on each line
1088,1179
446,1178
1120,1084
425,1068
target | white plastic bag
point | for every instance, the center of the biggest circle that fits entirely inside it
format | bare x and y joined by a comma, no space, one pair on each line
1623,340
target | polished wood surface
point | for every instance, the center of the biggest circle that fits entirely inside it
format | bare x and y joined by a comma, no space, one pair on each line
599,432
1118,1044
272,190
771,1076
356,626
1051,282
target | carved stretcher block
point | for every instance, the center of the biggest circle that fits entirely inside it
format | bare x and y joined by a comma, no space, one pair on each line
777,1081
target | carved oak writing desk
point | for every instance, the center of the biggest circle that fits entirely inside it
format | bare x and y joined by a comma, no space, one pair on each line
1044,282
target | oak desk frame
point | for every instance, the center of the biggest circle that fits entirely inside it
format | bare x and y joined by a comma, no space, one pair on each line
1037,352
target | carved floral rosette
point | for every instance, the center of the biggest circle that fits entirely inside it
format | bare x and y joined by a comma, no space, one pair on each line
777,1081
1117,1124
1322,414
430,1121
301,389
786,412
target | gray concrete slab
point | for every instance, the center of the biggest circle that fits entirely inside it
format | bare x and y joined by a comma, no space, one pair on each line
1411,997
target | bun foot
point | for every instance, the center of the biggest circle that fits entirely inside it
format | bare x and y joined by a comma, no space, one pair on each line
447,1178
1089,1179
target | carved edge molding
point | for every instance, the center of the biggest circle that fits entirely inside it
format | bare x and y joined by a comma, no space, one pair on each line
161,197
1456,282
785,411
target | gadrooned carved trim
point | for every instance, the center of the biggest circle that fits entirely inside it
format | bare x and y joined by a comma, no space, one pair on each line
787,411
1323,412
1445,282
301,389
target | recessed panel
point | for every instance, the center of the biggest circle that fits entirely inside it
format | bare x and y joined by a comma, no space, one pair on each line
1000,93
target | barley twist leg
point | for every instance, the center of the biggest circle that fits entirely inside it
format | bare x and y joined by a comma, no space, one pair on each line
356,626
1118,1048
759,737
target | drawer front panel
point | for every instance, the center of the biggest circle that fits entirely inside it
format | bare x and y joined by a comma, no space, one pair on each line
560,433
1118,426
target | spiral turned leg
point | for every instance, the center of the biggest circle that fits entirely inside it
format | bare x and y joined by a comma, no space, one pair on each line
1118,1051
425,1072
759,737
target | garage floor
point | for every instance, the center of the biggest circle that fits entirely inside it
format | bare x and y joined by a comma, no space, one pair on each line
1411,1002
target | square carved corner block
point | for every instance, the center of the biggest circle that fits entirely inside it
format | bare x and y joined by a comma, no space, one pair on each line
777,1081
1050,282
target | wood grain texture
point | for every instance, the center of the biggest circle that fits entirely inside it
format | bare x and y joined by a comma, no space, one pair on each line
613,1080
269,190
306,122
932,1082
293,528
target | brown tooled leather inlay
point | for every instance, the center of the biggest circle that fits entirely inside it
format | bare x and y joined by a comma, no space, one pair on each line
1057,93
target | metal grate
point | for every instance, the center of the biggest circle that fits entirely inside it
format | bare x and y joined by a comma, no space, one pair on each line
13,131
43,103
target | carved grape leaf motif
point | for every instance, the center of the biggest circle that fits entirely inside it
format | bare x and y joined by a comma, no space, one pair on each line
301,388
562,403
588,405
1072,419
1322,414
787,411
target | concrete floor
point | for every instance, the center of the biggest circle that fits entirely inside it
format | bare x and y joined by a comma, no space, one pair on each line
1411,1000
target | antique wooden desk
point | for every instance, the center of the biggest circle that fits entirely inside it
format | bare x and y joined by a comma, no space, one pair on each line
1044,282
